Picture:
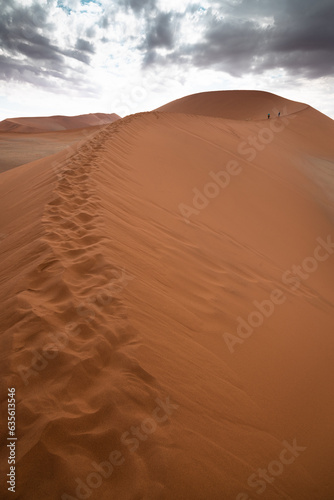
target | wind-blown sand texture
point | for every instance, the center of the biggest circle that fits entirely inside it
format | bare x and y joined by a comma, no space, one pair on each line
118,290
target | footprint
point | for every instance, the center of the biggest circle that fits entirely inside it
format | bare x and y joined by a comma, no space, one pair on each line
84,217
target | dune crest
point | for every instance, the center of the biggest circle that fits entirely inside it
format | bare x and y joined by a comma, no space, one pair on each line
129,264
234,105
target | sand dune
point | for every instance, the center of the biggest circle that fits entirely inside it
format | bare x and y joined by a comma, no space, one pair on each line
54,123
128,266
23,140
234,105
20,148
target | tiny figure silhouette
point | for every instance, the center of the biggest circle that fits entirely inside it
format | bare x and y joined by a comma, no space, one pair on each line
268,116
279,114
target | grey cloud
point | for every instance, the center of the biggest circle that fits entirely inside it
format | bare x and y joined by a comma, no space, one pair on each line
20,24
104,21
25,37
37,51
237,40
85,46
27,72
228,46
48,79
76,54
160,32
91,32
138,6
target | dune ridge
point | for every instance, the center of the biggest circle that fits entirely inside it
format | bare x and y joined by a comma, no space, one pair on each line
103,272
234,105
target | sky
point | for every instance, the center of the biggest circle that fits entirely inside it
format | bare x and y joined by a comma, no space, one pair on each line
125,56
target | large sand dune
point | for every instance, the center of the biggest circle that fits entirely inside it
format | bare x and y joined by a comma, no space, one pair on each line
168,304
234,105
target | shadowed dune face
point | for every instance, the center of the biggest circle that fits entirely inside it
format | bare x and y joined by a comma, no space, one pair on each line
168,308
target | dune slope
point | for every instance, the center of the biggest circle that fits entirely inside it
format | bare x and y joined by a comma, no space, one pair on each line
20,148
127,269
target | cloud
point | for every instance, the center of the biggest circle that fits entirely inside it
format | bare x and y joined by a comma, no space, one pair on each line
85,46
38,51
160,32
91,32
228,46
249,36
29,73
138,6
28,36
19,24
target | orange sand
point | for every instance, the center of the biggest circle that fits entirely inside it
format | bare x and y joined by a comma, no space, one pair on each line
55,123
111,268
23,140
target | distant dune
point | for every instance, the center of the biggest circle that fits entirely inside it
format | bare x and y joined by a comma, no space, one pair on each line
168,306
55,123
23,140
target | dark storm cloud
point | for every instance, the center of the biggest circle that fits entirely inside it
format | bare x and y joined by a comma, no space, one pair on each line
28,72
160,33
227,46
251,36
24,45
48,79
19,25
11,70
